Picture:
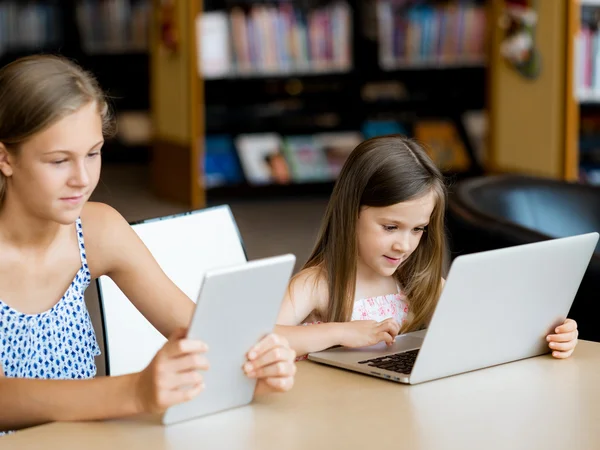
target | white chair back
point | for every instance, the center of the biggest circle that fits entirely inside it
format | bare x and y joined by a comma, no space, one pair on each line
185,246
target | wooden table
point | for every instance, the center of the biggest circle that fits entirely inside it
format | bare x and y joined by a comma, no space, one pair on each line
538,403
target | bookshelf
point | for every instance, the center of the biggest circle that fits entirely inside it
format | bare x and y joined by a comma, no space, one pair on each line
551,126
257,85
534,122
177,99
114,26
275,39
590,2
431,34
586,81
44,22
107,37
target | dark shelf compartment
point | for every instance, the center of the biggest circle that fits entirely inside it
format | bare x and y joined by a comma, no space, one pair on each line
115,152
247,191
125,77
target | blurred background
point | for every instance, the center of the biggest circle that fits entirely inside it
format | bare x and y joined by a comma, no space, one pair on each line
257,104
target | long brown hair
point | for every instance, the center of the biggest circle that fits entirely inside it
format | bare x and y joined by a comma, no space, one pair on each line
36,91
380,172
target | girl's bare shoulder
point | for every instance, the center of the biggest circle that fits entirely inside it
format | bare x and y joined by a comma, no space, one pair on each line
312,283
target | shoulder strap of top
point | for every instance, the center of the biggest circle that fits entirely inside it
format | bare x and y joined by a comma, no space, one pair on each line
81,243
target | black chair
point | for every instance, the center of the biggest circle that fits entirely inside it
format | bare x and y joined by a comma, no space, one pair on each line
486,213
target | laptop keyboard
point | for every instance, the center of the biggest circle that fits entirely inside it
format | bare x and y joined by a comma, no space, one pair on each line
399,362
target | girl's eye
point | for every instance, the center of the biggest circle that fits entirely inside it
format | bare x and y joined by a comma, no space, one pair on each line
390,227
59,162
93,154
421,229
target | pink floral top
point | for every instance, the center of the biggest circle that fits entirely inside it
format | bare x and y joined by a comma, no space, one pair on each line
381,308
377,308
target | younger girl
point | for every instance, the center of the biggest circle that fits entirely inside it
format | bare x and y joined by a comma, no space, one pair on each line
53,243
376,269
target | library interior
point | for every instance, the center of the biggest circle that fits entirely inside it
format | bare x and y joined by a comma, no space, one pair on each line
256,104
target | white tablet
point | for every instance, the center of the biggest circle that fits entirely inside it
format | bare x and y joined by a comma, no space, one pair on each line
236,307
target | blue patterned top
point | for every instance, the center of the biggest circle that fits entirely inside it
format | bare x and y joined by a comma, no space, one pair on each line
59,343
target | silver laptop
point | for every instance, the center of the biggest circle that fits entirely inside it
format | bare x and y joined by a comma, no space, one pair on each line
236,307
496,307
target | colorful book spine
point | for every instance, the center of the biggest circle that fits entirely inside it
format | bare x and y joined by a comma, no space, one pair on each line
587,57
285,39
29,26
430,34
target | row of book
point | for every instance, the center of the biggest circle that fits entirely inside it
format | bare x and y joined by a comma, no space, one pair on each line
27,25
587,55
275,39
270,158
105,26
587,60
587,83
114,26
431,34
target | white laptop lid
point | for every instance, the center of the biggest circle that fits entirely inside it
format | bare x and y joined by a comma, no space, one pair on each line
499,306
236,307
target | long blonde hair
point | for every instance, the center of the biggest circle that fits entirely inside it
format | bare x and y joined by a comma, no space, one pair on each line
36,91
380,172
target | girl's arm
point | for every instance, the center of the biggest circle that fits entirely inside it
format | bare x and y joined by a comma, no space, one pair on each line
306,293
114,249
311,338
26,402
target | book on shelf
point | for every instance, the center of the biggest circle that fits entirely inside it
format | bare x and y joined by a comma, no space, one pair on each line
444,34
337,145
28,26
269,158
443,143
275,39
587,55
212,44
114,26
306,159
381,127
221,166
262,159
